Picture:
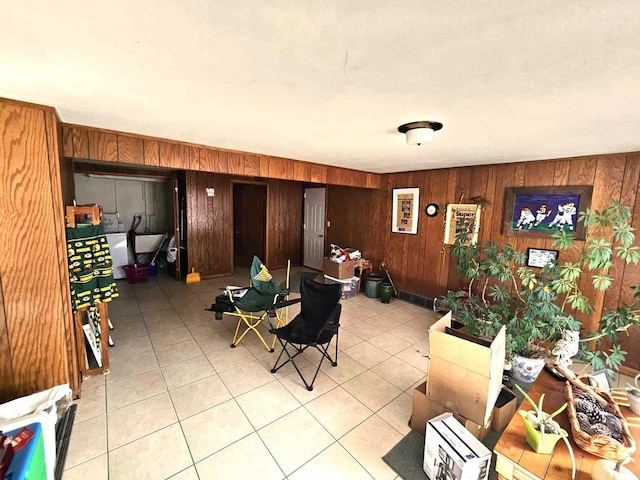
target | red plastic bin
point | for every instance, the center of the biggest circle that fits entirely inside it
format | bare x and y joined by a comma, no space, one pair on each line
137,273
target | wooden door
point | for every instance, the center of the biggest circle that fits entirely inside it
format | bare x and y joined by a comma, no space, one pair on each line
249,222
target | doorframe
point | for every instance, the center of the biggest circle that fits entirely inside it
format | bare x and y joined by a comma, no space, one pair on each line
266,223
325,231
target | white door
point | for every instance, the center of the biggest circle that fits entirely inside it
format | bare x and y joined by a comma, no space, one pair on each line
313,227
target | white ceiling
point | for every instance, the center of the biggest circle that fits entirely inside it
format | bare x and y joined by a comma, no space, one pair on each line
330,81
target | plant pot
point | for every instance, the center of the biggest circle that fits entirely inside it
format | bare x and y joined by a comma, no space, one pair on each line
526,369
534,437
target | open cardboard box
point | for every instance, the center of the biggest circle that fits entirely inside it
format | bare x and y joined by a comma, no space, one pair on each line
425,409
340,271
504,409
464,376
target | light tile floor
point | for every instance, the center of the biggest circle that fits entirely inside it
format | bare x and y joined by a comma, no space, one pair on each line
179,403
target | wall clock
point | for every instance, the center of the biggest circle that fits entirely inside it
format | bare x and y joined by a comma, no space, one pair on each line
432,209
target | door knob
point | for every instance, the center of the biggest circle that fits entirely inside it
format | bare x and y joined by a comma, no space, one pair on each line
320,236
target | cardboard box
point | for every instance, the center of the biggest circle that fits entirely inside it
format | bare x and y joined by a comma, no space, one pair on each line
464,376
349,287
340,271
425,409
452,453
504,409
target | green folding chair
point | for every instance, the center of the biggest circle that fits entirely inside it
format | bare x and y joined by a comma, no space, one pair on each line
263,299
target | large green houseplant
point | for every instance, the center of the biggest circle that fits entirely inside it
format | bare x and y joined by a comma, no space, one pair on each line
536,306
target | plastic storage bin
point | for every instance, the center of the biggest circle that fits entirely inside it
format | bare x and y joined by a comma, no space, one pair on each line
137,273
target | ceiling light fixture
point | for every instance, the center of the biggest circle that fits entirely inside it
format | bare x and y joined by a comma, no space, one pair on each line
419,132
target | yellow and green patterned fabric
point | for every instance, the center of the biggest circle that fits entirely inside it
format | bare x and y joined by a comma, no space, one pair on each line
90,266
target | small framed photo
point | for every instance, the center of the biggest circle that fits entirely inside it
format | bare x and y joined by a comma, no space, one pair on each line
540,257
406,202
599,380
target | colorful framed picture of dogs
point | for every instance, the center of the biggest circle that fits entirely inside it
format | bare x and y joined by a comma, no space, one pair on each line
542,211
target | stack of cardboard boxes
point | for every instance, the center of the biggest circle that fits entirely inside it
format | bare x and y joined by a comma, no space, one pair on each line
464,378
342,273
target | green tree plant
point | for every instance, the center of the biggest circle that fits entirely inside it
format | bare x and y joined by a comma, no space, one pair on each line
536,306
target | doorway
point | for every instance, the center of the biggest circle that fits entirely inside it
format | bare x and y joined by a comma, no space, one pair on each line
314,221
249,222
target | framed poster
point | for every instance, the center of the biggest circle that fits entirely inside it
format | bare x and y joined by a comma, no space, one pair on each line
462,219
539,257
542,211
406,202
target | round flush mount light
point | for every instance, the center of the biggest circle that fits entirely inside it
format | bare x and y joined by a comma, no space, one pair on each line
419,132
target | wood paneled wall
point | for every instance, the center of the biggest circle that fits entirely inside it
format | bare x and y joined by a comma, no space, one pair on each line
357,216
284,223
109,146
35,318
210,223
420,263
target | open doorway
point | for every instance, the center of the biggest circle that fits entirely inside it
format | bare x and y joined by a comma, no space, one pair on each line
140,215
249,222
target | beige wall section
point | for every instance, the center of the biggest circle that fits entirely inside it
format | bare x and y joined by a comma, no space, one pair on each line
128,198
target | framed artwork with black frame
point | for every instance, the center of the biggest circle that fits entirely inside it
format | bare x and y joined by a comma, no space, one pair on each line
540,257
542,211
406,202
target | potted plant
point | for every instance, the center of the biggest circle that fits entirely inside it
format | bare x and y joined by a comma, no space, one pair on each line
542,431
536,307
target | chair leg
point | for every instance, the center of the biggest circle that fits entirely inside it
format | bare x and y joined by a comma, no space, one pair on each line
251,323
321,348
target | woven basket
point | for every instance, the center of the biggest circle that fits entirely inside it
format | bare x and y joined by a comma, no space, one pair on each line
600,445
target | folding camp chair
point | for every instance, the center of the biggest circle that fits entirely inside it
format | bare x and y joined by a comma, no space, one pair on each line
315,326
263,299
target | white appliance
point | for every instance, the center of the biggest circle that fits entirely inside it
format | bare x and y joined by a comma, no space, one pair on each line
119,253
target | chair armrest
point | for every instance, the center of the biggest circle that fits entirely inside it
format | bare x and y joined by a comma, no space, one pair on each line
286,303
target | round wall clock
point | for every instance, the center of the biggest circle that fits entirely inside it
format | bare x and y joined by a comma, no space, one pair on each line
432,209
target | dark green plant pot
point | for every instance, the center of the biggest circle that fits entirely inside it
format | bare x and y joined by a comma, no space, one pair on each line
386,292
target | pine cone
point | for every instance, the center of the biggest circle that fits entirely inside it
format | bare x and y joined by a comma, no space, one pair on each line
600,429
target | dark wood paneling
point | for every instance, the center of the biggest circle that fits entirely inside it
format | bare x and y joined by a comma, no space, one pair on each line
103,146
209,224
284,223
151,152
130,150
33,302
353,225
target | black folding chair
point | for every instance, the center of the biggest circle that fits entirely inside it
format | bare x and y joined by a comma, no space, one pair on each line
315,326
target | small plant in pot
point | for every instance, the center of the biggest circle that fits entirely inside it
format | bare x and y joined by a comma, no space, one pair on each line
538,306
542,431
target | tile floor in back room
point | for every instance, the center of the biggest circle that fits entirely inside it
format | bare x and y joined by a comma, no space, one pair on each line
179,403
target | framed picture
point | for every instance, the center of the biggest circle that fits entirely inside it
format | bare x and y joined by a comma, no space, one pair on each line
406,202
599,380
542,211
539,257
462,219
